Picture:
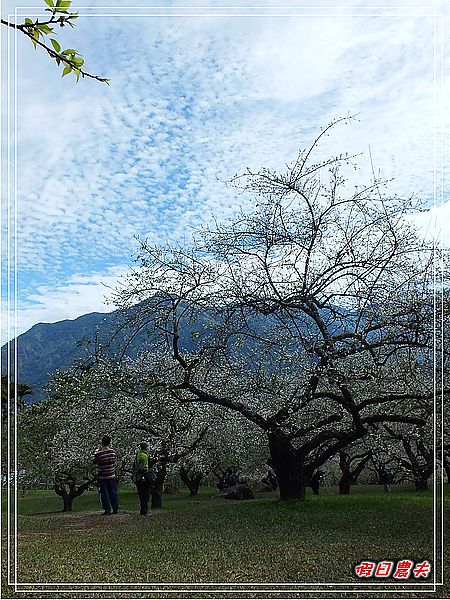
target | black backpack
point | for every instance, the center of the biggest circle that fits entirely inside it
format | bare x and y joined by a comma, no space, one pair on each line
139,475
150,478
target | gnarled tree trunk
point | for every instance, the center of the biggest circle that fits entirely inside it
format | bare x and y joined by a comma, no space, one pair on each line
345,483
421,483
288,465
447,471
192,481
157,490
350,476
69,490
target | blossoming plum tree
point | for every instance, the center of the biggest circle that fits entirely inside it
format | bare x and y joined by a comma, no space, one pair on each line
231,441
53,449
302,304
105,396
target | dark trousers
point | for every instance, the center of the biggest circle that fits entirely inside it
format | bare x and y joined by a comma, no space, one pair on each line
108,494
143,489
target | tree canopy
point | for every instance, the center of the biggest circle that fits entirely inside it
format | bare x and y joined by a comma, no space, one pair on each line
314,307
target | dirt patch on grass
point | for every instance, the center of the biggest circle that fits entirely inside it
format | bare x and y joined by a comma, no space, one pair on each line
71,522
87,521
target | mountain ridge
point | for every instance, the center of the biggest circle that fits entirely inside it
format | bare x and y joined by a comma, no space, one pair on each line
47,347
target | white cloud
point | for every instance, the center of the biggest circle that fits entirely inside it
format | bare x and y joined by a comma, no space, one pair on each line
81,294
193,101
434,224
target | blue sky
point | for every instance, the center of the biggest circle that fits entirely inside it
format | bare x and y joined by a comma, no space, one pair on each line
194,99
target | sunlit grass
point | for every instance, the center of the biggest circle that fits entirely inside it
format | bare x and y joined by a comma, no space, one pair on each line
208,540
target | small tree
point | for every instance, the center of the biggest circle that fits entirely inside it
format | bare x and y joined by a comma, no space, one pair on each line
352,463
67,485
54,445
57,437
175,433
414,453
36,429
122,398
230,441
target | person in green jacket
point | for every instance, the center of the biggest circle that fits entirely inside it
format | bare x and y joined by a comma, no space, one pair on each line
140,477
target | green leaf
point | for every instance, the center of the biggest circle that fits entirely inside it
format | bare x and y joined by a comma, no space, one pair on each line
69,51
49,3
34,44
28,21
58,60
66,71
65,3
77,73
55,45
44,28
78,61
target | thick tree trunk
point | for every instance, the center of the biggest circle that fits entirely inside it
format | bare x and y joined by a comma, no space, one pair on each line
346,478
288,465
349,477
345,484
67,496
193,483
156,497
421,483
67,503
157,490
193,487
73,492
447,470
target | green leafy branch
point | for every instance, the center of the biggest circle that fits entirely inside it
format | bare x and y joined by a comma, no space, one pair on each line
40,31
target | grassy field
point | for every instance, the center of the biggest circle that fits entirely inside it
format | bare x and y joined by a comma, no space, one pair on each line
208,540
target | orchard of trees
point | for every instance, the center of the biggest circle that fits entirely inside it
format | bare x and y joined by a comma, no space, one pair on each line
302,331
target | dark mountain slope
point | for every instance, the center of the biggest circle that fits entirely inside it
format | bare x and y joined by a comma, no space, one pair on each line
48,347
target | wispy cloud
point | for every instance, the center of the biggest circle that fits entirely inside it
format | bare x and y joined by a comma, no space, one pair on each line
79,295
193,101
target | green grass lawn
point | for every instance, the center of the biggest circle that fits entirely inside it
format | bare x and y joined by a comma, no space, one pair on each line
208,540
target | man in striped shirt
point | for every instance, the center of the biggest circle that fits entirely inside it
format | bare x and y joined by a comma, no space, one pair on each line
105,459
